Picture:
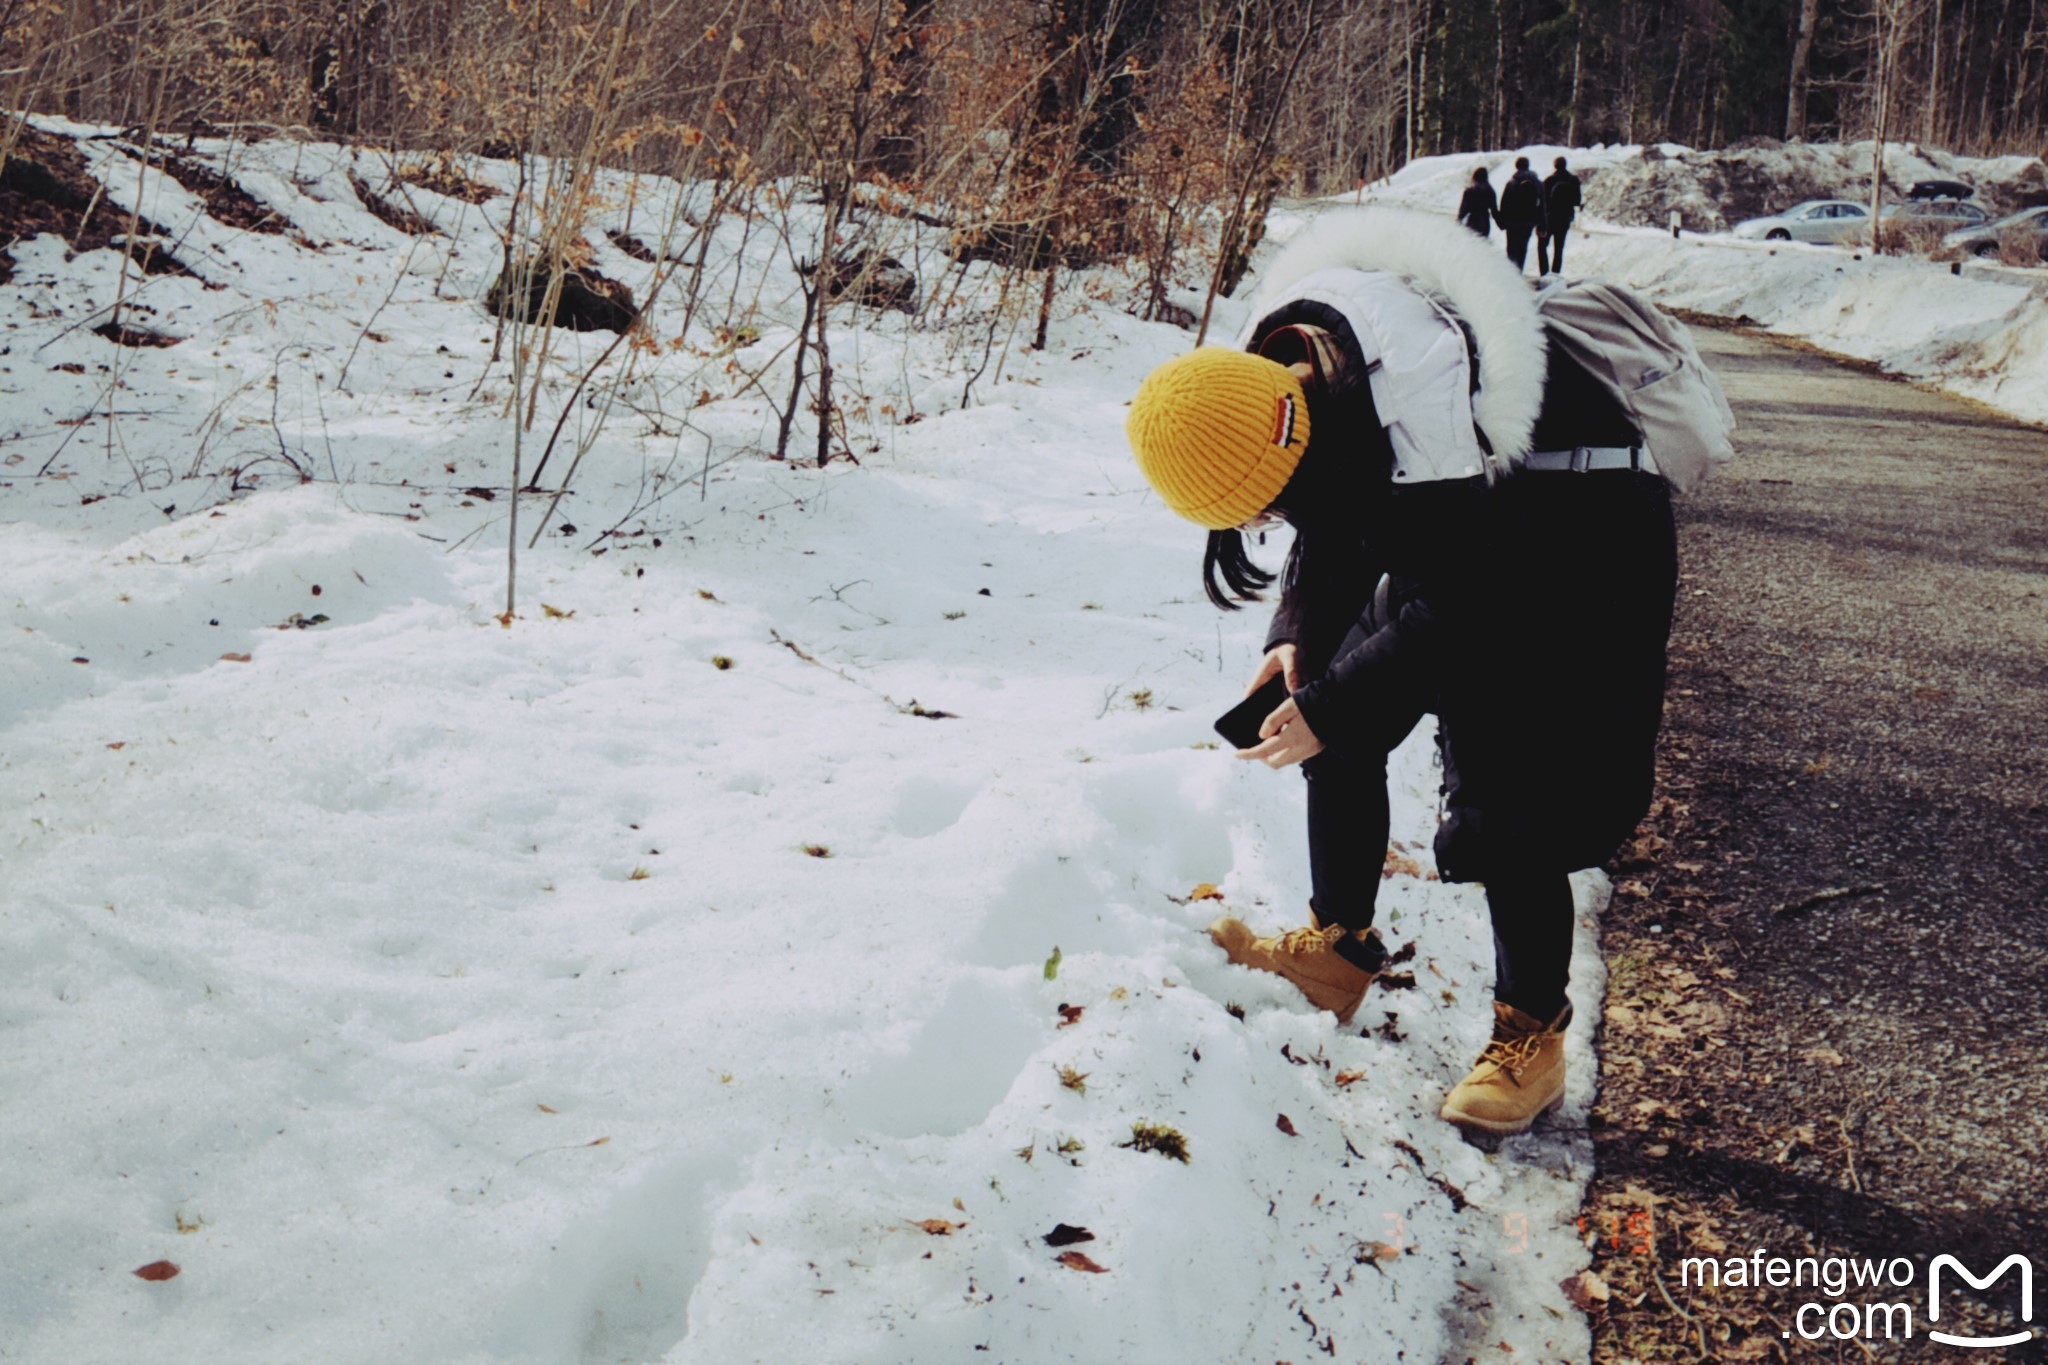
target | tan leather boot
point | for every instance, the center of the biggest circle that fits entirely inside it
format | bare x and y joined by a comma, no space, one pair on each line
1519,1076
1306,957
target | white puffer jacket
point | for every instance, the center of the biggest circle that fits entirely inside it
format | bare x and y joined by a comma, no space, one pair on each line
1398,277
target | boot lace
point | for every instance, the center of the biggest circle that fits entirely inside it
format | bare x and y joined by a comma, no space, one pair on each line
1511,1055
1305,940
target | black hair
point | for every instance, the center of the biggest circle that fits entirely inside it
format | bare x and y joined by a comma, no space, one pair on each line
1478,174
1228,575
1324,487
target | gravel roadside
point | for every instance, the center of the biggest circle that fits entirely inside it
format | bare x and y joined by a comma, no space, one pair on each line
1827,1018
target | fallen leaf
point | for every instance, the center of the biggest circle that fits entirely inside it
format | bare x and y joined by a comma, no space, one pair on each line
1586,1291
1286,1125
1400,865
1070,1014
1825,1055
234,658
1074,1260
546,1109
157,1270
597,1142
1052,964
1345,1078
1066,1234
1377,1251
556,613
118,744
937,1227
1205,891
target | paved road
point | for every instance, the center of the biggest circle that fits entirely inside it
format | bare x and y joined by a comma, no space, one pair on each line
1850,936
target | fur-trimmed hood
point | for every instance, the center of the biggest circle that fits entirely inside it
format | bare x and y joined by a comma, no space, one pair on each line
1473,279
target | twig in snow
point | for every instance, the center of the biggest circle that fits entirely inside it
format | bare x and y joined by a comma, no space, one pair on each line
341,381
910,708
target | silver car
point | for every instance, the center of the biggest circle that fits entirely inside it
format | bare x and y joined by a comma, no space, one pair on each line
1817,220
1986,240
1940,215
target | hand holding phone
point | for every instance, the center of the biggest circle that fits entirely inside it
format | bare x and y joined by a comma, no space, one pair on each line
1240,724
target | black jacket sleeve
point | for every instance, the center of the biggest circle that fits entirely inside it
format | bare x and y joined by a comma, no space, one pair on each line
1392,671
1439,596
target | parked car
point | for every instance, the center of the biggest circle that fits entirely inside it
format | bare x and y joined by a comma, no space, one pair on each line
1987,239
1938,215
1817,220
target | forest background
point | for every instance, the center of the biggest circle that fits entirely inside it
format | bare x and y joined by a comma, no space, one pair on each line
1043,129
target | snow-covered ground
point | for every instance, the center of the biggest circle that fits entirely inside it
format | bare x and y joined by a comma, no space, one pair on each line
1981,332
656,977
432,990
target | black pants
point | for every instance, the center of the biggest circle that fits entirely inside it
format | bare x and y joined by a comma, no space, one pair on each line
1348,823
1548,763
1518,244
1555,262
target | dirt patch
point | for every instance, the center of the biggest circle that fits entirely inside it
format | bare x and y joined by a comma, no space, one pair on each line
633,247
46,188
226,202
588,302
393,215
868,278
134,336
445,178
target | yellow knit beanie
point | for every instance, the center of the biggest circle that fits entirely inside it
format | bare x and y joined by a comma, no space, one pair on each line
1217,433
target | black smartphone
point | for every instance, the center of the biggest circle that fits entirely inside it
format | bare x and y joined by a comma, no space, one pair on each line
1240,724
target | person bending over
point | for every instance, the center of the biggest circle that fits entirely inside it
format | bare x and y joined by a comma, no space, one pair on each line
1498,553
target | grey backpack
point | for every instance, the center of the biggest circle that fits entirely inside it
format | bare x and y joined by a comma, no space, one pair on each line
1646,359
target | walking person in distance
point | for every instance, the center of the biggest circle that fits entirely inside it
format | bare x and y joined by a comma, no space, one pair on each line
1560,206
1477,209
1521,212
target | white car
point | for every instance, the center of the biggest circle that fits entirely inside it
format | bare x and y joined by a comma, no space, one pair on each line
1817,220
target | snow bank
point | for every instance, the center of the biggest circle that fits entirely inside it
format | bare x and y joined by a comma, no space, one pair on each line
655,977
1980,331
1714,190
1639,186
1982,334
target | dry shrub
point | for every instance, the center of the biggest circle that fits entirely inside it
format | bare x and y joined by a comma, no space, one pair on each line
2021,245
1912,236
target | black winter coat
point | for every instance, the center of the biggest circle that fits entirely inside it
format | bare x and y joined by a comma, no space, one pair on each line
1531,616
1521,200
1477,210
1560,199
